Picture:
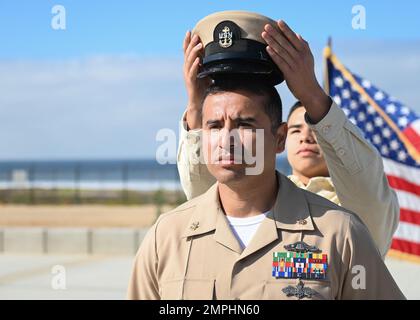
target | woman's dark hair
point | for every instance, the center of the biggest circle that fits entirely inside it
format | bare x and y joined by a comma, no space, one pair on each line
272,105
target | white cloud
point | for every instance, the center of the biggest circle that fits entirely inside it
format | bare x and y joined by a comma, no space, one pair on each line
94,107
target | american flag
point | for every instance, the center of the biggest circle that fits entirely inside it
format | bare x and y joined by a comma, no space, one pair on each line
394,129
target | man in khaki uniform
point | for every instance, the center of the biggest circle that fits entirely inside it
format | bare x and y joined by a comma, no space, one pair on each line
305,246
345,168
298,244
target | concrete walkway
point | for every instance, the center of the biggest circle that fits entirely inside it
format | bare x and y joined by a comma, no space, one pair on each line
24,276
86,276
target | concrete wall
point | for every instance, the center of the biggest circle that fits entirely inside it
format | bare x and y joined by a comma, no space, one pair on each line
71,240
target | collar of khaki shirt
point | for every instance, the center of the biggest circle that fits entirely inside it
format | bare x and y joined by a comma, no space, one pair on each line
322,186
290,212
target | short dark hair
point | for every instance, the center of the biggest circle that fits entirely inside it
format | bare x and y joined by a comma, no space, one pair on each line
272,105
297,105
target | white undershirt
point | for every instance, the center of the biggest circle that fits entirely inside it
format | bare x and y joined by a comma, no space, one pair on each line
245,228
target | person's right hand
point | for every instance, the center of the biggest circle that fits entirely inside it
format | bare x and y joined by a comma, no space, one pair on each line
196,88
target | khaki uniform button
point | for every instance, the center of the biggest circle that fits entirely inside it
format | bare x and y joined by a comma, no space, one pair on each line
302,221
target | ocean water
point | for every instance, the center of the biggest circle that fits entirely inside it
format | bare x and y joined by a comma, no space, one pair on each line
95,174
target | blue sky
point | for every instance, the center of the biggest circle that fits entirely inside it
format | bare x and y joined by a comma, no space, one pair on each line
157,27
104,86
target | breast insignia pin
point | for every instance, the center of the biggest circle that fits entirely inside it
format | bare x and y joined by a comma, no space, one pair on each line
300,291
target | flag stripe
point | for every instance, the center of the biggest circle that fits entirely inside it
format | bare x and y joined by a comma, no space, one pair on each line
413,136
410,216
404,185
406,246
408,200
408,231
400,170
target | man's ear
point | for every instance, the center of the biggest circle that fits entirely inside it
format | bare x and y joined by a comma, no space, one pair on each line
281,135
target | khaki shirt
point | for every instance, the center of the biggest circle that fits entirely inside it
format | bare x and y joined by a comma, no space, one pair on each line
322,186
192,253
358,182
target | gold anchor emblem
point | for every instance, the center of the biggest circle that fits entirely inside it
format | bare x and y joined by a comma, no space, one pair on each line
225,38
195,225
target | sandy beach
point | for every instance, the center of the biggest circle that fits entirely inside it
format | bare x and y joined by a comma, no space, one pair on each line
139,216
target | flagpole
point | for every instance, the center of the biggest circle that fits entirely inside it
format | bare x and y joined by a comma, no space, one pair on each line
327,54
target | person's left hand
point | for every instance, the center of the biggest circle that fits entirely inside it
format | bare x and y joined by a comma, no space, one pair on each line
292,55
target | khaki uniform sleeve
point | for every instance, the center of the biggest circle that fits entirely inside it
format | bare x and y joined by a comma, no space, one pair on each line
357,172
143,284
193,173
366,276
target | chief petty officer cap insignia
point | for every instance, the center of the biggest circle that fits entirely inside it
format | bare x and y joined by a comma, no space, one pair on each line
301,261
234,47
